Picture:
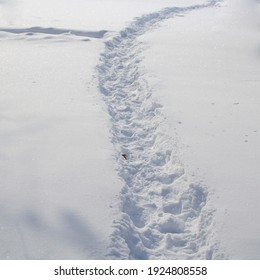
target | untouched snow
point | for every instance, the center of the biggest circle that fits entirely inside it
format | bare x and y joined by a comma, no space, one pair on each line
84,14
54,146
84,82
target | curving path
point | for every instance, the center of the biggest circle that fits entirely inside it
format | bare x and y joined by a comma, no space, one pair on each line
163,214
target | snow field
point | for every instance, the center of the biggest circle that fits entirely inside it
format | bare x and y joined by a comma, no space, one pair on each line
54,146
181,89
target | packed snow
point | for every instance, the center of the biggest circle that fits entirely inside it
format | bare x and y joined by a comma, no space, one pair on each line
129,129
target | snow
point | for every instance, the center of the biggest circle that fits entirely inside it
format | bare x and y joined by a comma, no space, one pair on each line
84,14
207,81
148,228
54,146
86,82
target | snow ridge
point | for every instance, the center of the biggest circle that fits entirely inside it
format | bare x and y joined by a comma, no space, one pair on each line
164,214
55,31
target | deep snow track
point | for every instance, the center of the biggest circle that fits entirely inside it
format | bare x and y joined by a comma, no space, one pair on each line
164,215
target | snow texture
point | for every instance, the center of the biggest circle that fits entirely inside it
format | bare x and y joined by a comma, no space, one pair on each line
59,188
164,213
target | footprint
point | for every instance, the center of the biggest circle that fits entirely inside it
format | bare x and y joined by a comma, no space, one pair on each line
151,238
166,191
171,224
134,211
159,159
173,208
166,178
173,241
127,133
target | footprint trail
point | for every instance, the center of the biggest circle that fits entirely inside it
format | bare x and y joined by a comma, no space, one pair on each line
163,214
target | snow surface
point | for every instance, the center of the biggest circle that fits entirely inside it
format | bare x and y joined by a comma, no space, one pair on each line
171,84
208,83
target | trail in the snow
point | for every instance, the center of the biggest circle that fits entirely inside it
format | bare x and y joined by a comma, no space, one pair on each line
164,215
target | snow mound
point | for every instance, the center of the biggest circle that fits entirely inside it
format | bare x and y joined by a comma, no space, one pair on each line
55,31
41,33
